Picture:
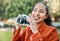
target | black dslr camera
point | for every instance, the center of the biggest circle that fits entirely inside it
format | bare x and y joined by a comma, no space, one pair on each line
21,19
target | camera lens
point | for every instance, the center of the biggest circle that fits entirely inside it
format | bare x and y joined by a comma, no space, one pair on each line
22,19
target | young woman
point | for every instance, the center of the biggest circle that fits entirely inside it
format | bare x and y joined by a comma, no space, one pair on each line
39,29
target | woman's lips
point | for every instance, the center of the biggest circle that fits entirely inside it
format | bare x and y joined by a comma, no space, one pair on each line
36,18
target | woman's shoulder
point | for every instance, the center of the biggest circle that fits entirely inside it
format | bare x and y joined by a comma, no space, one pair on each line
51,28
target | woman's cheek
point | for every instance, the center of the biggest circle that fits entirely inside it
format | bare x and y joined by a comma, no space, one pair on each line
42,16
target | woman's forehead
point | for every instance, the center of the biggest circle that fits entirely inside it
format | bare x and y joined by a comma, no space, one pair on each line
40,5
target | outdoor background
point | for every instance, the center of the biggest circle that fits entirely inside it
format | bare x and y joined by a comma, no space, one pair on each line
10,9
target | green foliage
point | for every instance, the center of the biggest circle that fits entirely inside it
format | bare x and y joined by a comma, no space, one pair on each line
58,27
11,8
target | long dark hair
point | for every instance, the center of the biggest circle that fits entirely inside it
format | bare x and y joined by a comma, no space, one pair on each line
48,20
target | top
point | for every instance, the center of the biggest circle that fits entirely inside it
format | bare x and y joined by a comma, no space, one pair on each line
45,33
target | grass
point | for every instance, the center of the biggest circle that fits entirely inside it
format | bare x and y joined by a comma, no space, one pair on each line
5,35
59,35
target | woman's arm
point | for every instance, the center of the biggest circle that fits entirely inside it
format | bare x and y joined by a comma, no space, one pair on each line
53,35
17,36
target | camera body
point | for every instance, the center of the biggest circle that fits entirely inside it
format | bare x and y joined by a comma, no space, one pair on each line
22,19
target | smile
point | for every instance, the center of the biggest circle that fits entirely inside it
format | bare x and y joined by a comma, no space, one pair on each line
36,18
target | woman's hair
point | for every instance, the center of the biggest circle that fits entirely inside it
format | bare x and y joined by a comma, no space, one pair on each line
48,20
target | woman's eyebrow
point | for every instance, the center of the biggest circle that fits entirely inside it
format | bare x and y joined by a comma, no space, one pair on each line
41,9
35,8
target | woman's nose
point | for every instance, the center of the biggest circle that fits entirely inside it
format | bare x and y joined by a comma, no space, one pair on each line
37,14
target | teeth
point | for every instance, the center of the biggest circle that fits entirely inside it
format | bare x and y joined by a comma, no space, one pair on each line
37,17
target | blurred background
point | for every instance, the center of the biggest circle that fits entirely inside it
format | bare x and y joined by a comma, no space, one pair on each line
10,9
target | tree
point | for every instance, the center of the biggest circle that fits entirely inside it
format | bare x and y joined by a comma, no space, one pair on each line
12,8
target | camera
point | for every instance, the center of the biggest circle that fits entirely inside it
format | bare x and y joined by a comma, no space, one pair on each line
21,19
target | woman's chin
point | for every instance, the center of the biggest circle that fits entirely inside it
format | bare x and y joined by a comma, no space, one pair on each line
37,21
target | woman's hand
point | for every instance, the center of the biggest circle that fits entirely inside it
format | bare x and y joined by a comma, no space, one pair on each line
32,25
17,25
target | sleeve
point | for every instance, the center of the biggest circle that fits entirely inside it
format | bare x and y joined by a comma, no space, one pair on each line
36,37
16,35
53,35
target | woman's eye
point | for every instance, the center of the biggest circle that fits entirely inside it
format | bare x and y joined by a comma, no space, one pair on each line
34,10
41,11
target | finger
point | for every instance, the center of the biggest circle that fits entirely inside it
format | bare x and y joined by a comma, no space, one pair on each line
32,19
17,25
28,19
16,19
14,30
30,15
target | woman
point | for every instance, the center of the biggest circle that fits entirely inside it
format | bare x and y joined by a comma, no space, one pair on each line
39,28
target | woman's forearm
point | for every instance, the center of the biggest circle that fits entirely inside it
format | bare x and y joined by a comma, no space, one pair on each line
16,34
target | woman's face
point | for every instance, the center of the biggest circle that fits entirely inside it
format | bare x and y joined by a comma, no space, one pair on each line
39,13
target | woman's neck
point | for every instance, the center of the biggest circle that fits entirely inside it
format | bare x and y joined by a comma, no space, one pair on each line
38,24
